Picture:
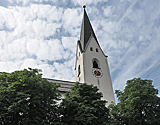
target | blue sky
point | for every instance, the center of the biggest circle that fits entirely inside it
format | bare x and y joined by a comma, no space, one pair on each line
43,33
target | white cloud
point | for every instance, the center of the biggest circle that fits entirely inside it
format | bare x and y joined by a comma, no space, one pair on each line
29,63
2,21
7,18
39,19
48,71
71,20
108,10
56,49
70,43
16,50
63,72
45,50
88,2
27,2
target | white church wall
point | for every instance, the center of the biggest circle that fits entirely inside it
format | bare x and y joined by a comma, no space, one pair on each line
79,62
104,83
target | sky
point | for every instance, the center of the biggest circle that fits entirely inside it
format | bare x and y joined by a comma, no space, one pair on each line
43,34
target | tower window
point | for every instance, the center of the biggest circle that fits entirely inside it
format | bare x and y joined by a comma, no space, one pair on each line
79,71
96,63
96,49
91,49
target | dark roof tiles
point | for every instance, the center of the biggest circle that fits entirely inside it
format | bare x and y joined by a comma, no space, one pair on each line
86,31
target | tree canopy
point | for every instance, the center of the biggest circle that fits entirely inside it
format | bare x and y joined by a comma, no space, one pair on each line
138,104
28,99
83,106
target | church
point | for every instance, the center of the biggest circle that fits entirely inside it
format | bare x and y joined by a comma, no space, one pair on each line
91,64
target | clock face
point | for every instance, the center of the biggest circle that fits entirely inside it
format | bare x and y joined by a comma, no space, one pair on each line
97,73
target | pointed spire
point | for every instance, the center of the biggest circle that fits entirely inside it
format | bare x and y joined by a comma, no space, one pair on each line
86,30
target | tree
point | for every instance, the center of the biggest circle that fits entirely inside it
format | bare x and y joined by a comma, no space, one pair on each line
28,99
83,106
138,104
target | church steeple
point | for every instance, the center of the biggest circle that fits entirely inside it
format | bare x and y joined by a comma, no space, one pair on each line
91,63
86,31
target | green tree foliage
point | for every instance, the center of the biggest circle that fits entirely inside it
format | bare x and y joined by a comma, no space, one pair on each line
27,99
83,106
138,104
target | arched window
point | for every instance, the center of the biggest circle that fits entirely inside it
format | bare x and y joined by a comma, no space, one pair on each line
79,71
96,63
91,49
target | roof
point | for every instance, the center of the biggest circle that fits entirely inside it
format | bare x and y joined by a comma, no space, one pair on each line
86,31
65,85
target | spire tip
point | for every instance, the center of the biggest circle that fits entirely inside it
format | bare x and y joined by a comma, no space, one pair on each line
84,6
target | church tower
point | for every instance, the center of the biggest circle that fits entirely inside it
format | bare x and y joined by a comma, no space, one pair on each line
91,63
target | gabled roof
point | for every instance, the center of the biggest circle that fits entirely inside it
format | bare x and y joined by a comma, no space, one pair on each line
65,85
86,31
